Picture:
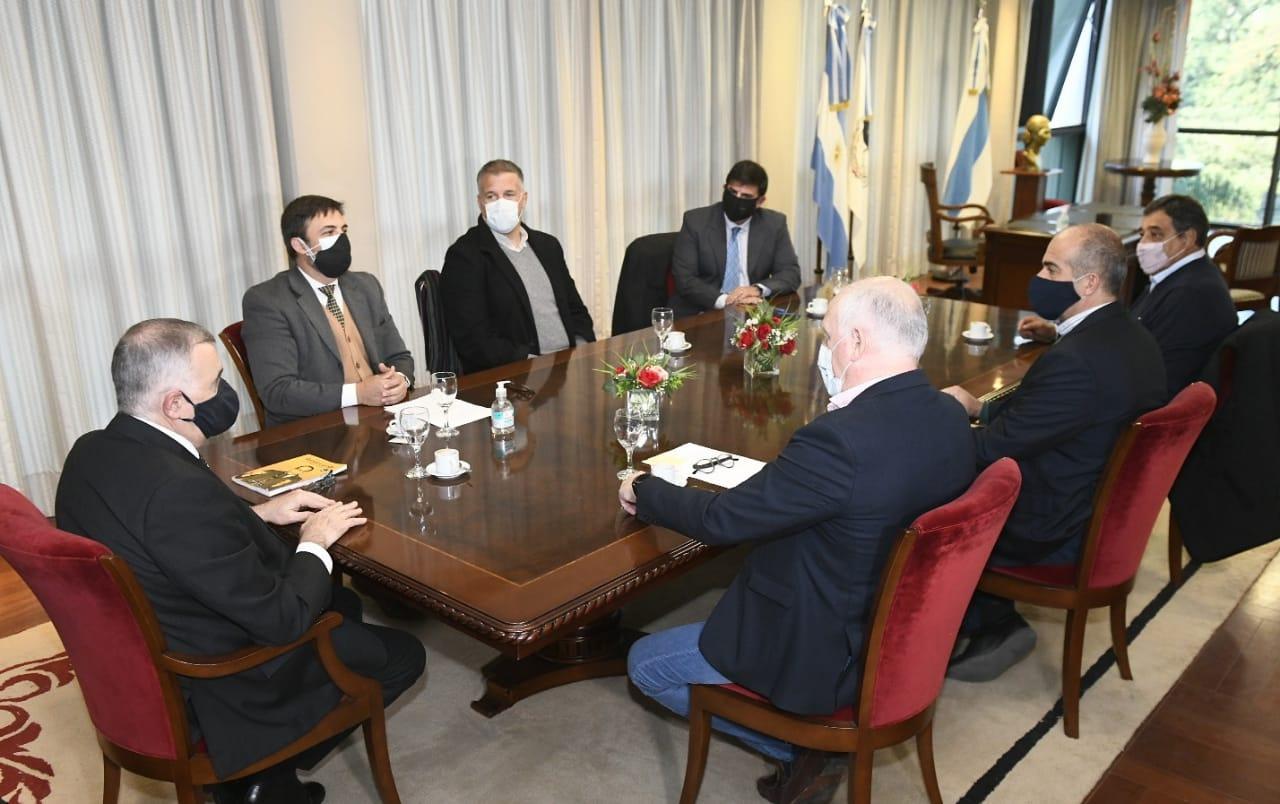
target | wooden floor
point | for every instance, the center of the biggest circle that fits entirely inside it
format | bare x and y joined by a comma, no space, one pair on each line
1214,738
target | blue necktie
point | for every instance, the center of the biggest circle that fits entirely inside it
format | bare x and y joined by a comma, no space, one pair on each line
732,263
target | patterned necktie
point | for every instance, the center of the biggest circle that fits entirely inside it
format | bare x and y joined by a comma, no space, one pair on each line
733,263
332,304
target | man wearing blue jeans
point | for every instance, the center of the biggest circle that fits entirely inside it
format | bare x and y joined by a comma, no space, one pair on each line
825,514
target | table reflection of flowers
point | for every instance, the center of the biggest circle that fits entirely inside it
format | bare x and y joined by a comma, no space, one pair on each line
765,336
757,404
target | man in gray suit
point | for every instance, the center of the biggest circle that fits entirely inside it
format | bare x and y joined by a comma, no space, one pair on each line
733,252
318,337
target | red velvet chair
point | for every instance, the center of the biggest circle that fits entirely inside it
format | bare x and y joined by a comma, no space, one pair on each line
129,680
234,341
1137,479
924,589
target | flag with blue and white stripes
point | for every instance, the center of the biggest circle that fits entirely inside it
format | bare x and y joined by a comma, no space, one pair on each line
968,173
830,147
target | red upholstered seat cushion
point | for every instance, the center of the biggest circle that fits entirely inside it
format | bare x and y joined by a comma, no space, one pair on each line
1055,575
120,683
841,714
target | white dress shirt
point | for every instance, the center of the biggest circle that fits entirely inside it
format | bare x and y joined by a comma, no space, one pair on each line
849,394
1074,321
303,547
522,239
745,226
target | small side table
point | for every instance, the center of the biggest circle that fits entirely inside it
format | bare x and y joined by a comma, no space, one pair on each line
1150,171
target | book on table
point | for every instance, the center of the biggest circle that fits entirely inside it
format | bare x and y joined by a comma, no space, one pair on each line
282,476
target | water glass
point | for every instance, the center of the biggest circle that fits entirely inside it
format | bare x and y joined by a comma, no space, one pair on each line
415,424
630,430
445,383
663,318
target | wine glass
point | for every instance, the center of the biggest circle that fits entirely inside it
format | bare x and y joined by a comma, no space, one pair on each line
663,319
630,431
415,425
446,385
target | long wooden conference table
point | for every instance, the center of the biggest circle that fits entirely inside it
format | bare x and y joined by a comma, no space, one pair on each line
530,552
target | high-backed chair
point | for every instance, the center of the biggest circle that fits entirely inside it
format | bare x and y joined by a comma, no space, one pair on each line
441,355
644,281
924,588
1251,261
234,341
954,254
1138,476
130,680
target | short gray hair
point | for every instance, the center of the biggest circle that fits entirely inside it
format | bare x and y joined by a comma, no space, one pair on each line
1099,250
153,354
892,309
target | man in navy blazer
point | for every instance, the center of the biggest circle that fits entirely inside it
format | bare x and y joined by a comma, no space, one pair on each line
1060,425
824,516
734,251
507,291
1186,304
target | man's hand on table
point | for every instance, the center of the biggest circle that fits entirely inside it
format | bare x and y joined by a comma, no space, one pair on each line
1038,329
745,295
288,509
627,493
971,404
326,526
387,387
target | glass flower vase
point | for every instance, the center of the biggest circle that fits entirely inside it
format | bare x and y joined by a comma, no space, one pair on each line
644,402
761,362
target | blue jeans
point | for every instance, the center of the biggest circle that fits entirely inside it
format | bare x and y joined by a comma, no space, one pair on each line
663,665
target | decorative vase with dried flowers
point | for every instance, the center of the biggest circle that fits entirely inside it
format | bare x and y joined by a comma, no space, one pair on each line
1162,101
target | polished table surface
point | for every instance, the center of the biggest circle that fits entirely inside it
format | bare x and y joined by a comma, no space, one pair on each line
528,546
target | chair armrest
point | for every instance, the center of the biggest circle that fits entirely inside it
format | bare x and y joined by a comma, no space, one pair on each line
979,207
238,661
964,218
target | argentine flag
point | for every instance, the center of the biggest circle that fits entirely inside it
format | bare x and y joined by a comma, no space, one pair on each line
969,163
830,160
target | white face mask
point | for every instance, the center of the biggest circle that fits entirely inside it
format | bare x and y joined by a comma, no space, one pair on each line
502,215
1151,257
833,383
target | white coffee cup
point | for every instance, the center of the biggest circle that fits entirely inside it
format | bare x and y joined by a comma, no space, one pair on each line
675,340
447,461
818,306
979,329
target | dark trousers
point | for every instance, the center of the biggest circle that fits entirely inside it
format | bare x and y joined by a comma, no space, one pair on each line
988,613
393,658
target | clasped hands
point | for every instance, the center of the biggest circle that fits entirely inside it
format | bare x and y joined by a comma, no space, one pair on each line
323,520
387,387
745,295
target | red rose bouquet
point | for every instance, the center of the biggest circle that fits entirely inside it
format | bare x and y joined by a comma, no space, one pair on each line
646,371
765,336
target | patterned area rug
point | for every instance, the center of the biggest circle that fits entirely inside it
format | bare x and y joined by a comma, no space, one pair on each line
593,741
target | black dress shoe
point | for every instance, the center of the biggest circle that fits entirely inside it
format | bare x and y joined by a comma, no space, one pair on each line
287,791
770,784
988,655
811,777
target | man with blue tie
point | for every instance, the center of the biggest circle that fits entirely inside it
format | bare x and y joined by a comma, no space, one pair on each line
733,252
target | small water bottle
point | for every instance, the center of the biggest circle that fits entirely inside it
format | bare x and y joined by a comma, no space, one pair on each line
502,416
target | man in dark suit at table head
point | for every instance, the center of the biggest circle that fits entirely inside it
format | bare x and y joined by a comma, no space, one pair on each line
1060,425
218,576
506,289
734,251
1186,304
824,515
320,337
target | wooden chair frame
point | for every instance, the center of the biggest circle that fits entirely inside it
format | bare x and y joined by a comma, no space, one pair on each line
240,359
1079,598
938,215
1226,259
192,769
821,733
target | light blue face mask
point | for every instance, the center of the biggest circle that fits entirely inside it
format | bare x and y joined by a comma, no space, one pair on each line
829,378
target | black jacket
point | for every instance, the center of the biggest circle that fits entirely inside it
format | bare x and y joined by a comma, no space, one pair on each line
218,577
1062,422
487,308
1189,313
826,513
1227,496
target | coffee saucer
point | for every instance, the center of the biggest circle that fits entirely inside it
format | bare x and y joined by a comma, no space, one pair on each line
970,335
463,468
673,350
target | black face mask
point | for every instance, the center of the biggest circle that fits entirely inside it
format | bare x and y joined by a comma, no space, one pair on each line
1050,299
738,209
334,261
215,415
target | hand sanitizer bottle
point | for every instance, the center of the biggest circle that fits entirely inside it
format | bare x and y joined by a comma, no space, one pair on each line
502,416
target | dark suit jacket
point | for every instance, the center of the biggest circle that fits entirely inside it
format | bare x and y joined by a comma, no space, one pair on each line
218,577
487,307
1189,313
826,513
1061,423
293,356
1225,497
698,261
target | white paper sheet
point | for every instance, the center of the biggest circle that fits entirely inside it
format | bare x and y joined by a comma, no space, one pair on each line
677,464
460,412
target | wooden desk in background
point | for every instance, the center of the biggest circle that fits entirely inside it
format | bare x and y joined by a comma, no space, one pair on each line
530,552
1014,250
